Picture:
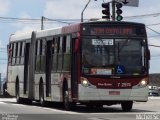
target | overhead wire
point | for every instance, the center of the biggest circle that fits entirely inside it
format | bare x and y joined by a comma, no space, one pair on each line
153,30
144,15
154,45
66,21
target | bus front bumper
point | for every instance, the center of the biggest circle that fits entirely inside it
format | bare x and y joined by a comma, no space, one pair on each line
94,94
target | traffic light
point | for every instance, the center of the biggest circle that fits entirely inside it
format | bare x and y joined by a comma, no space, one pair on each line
119,11
106,11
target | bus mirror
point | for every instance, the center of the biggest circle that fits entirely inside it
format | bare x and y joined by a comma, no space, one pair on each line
76,45
142,43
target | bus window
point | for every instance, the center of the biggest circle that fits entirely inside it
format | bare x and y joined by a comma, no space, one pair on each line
18,53
37,67
53,45
22,52
54,54
43,62
64,44
10,54
40,47
36,51
68,44
58,45
66,54
59,54
13,53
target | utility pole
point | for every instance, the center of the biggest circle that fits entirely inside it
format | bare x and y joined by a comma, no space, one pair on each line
84,9
42,22
113,10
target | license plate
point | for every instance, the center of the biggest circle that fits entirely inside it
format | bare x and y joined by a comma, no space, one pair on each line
114,92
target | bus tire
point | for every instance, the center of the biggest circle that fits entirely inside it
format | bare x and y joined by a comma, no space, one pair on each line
67,104
28,101
127,106
99,106
41,95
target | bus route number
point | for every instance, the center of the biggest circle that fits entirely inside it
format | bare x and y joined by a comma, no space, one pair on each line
124,85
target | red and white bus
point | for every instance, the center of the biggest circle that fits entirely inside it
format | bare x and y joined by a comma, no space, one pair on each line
92,63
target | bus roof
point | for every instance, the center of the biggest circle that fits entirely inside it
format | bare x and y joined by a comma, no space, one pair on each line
19,37
63,30
48,32
39,34
112,22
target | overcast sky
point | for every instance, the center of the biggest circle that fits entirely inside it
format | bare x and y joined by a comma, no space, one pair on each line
71,9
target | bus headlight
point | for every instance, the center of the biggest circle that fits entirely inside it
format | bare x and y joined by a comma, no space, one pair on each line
143,82
84,82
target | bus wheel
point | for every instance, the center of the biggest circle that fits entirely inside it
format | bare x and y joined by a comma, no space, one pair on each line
127,105
41,96
28,101
67,105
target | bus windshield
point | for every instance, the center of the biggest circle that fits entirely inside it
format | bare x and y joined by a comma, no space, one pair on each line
102,56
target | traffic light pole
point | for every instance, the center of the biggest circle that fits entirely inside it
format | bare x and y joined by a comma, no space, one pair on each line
113,10
84,10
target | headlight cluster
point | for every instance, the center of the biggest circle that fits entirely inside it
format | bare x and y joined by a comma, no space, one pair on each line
84,82
142,83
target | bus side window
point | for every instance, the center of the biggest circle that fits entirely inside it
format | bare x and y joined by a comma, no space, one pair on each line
37,65
66,53
59,54
64,44
54,54
18,53
35,55
13,53
43,47
58,45
22,52
53,45
10,54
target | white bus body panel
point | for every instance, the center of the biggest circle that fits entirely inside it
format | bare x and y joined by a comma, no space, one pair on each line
94,94
13,73
55,87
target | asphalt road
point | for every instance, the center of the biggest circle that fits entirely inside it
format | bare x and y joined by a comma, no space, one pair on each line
10,110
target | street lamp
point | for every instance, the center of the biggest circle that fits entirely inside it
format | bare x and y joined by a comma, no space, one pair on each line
84,9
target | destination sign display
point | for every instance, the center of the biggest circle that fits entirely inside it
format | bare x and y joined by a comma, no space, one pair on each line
112,31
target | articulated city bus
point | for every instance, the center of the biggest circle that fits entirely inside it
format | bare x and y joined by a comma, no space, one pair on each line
92,63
